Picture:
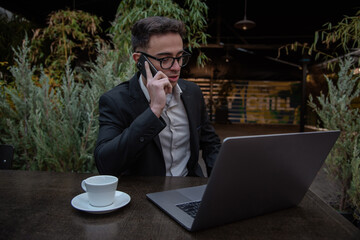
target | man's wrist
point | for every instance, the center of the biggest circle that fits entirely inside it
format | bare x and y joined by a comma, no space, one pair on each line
156,110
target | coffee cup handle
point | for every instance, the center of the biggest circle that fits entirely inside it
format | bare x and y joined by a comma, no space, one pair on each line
83,185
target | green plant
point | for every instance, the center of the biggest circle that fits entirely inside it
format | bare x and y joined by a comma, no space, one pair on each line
335,112
70,35
335,45
332,41
343,36
354,189
227,89
51,130
13,31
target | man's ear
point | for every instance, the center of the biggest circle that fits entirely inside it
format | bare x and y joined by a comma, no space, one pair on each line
136,56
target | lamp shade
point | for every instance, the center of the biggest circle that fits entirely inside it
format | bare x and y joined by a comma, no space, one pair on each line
245,24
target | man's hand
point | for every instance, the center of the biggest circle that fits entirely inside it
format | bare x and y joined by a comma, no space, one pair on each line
158,86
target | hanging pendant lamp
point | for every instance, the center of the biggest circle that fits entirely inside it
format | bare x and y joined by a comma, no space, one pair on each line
245,24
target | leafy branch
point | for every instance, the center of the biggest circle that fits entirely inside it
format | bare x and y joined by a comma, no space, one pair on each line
69,35
331,42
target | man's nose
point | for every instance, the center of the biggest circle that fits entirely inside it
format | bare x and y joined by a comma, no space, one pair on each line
176,65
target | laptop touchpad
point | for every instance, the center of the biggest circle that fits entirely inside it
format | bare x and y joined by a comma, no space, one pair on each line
192,193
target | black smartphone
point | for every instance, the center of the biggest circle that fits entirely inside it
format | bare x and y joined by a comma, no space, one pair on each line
141,65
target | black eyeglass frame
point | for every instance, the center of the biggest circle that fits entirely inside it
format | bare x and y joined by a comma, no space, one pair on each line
173,59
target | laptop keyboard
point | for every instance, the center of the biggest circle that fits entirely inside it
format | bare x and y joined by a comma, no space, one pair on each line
190,208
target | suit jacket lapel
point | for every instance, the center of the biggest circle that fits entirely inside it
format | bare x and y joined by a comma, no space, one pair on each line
139,102
188,99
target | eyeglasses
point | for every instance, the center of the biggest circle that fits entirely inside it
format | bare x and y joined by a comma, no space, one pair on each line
168,62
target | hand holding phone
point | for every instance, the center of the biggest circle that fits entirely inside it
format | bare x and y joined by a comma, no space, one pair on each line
157,87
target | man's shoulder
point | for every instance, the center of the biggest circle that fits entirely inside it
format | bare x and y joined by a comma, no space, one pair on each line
188,84
189,87
122,89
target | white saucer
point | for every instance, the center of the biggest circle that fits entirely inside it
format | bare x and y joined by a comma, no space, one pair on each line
81,203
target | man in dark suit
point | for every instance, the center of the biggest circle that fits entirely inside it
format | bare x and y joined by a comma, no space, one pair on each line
156,125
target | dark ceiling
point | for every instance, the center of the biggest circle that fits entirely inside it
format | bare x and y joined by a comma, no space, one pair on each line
278,22
275,20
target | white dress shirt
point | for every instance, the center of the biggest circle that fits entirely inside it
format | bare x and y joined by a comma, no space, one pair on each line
175,137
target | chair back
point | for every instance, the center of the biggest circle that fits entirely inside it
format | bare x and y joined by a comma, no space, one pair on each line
6,156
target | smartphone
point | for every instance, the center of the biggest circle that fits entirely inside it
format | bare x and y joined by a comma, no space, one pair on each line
141,65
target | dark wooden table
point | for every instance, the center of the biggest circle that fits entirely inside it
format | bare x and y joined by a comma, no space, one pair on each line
36,205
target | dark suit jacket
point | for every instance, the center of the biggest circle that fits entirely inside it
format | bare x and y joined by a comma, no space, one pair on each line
128,141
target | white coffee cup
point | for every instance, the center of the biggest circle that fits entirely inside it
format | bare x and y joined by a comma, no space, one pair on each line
100,189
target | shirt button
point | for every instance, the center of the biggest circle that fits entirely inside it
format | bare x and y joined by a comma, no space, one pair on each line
142,139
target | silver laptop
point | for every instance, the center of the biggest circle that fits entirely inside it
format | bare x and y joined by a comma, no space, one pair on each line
252,176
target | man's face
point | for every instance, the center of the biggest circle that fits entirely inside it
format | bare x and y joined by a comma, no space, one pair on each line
166,45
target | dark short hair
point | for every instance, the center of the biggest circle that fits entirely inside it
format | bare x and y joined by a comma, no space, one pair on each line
143,29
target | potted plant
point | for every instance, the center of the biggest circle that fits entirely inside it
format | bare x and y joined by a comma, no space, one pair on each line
221,103
335,45
335,111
